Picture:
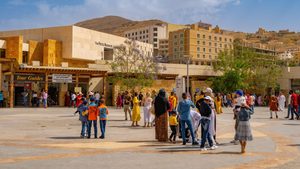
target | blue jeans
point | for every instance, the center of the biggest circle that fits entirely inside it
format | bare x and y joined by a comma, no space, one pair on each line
294,111
289,110
189,124
45,102
83,128
102,128
94,122
252,108
205,135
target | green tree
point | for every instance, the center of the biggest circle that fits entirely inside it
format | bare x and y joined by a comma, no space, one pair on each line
243,68
132,67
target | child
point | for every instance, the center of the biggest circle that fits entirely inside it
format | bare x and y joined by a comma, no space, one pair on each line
273,106
103,117
173,125
92,117
83,117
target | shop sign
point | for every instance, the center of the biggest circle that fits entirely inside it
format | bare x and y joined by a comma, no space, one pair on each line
103,44
29,77
62,78
77,89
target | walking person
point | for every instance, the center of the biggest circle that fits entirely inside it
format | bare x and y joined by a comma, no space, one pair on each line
92,117
127,102
243,132
161,107
219,104
184,108
281,101
73,98
294,105
273,106
103,112
44,98
205,111
147,109
25,97
1,99
136,111
173,126
119,101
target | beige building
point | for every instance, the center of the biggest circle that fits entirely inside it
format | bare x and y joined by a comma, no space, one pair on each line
152,34
57,59
200,42
163,47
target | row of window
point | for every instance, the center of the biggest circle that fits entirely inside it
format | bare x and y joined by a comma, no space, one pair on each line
141,32
204,36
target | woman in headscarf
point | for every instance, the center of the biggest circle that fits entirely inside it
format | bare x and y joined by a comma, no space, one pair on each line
161,107
136,112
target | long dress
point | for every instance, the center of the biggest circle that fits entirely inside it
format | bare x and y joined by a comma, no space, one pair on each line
136,112
161,107
281,102
147,108
219,106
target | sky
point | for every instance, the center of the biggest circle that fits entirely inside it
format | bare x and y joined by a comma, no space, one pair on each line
236,15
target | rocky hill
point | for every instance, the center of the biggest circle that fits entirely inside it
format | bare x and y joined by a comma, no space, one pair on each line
115,25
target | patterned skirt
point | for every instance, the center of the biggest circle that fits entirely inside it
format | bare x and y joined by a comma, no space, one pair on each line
243,132
161,127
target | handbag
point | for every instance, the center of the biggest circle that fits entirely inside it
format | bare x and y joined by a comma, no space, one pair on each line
85,113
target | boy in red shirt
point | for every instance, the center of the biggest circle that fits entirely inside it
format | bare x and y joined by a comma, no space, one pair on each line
92,117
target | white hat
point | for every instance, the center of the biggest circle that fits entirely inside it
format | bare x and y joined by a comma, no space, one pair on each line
208,90
208,98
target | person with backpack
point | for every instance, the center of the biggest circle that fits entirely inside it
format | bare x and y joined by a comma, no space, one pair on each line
103,112
83,117
93,113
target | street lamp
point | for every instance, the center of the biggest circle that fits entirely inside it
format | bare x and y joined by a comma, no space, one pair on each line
187,60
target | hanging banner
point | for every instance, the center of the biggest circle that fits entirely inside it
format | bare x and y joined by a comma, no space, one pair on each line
62,78
29,77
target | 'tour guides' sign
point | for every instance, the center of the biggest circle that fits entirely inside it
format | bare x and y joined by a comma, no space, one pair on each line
62,78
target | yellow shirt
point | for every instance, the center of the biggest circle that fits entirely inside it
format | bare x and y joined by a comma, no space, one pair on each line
173,100
173,120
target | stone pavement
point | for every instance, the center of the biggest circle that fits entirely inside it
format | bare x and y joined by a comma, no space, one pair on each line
49,138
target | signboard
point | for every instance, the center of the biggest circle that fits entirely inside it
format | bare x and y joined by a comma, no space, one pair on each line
62,78
29,78
77,89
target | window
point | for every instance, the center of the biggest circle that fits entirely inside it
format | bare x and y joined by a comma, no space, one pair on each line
2,53
204,56
175,36
181,35
135,33
25,57
175,49
155,29
146,36
220,38
155,45
203,36
215,44
220,45
132,34
181,49
143,31
209,37
215,38
155,40
175,43
209,50
135,38
230,40
202,63
198,42
203,49
198,55
203,42
209,43
140,37
181,42
209,56
147,31
154,34
225,45
225,39
216,50
198,35
140,32
198,49
125,35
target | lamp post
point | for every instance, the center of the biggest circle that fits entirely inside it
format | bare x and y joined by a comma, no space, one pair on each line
187,59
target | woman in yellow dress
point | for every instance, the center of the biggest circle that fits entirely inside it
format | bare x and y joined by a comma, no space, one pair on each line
219,104
136,112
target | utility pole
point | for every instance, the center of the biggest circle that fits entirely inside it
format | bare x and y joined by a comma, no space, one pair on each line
187,57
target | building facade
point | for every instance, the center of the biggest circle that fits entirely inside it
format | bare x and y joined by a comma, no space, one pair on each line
57,59
201,44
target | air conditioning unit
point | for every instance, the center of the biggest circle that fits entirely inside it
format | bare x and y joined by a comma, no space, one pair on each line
64,64
36,63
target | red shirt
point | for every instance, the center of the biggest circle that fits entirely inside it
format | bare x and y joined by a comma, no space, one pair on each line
294,99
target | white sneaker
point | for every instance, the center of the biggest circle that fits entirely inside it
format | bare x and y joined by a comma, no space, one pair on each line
203,149
213,147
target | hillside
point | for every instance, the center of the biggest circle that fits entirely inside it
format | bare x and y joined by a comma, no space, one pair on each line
114,24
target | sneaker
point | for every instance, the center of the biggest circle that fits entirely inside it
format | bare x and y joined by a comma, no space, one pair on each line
213,147
184,143
203,149
195,143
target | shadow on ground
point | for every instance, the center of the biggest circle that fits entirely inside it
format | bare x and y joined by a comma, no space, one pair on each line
65,138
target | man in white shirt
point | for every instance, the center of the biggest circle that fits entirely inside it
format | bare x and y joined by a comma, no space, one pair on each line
281,101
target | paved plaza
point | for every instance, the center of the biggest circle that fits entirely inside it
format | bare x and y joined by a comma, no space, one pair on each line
49,138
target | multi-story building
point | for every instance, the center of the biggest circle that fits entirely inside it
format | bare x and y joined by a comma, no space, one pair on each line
201,44
163,47
152,34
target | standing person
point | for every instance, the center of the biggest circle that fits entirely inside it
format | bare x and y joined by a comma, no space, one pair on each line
147,108
205,111
1,98
136,111
83,117
273,106
173,126
67,99
127,108
45,97
92,117
97,98
161,107
294,105
140,97
119,101
281,101
219,104
79,99
252,102
73,99
25,97
173,101
184,108
34,100
289,105
103,112
243,132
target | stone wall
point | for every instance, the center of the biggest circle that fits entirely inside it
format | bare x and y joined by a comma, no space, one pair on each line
35,52
14,46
